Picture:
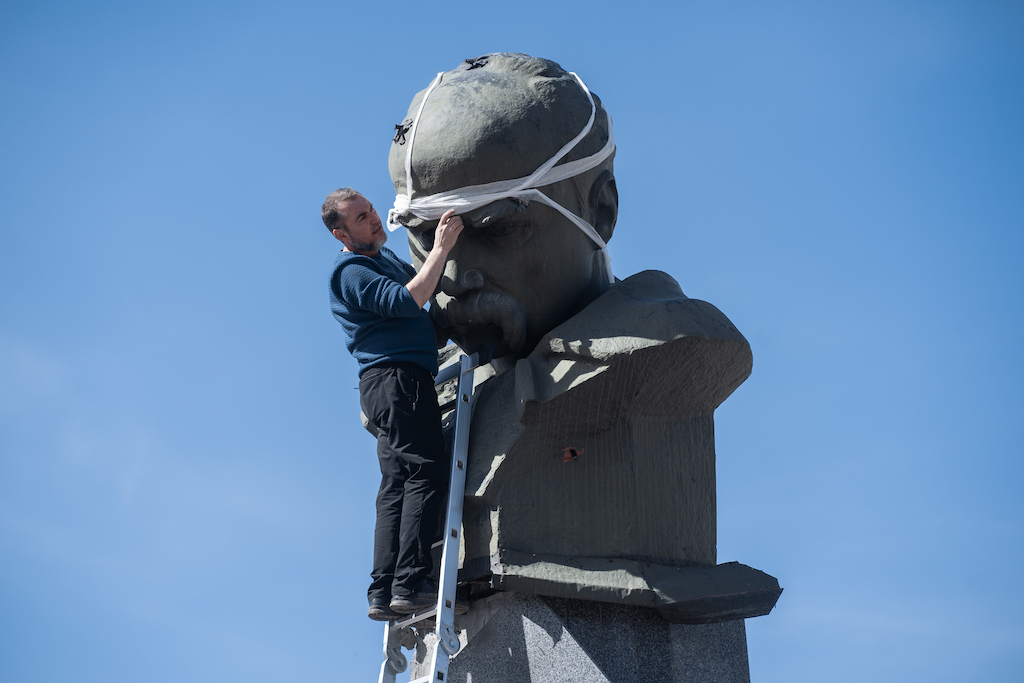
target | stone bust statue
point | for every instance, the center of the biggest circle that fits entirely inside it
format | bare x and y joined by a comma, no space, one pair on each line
591,469
523,267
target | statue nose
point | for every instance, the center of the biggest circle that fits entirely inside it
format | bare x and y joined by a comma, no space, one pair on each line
456,282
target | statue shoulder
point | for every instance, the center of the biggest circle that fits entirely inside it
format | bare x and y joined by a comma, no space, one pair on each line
643,316
646,315
646,309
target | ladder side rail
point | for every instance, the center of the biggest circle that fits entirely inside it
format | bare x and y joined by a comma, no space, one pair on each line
394,661
447,641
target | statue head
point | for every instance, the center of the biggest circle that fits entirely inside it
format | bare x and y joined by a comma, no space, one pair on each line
521,266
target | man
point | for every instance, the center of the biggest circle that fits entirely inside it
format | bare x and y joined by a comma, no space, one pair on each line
593,439
379,299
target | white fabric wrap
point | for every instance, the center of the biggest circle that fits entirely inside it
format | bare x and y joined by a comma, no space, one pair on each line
473,197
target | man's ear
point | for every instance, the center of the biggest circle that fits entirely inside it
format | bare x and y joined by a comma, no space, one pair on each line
604,204
338,234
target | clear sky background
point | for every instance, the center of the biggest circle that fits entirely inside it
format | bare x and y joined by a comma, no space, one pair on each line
185,491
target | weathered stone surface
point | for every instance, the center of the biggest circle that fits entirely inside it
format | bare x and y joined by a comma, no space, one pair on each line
591,469
527,639
600,443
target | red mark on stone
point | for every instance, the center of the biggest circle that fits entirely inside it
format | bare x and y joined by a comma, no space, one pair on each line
570,454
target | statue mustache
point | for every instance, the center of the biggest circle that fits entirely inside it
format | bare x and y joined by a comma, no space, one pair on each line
485,308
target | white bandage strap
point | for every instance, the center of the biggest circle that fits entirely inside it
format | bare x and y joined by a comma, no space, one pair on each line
473,197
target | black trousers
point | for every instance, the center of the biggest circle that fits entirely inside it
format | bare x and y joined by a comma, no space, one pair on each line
399,400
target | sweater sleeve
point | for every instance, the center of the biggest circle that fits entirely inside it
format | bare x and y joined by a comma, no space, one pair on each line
361,286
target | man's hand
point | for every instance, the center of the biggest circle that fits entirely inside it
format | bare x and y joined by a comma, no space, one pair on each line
445,236
447,232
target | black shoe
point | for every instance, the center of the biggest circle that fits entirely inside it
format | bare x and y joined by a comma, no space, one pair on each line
381,611
411,604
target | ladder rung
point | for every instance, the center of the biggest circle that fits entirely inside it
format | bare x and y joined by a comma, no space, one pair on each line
416,618
450,372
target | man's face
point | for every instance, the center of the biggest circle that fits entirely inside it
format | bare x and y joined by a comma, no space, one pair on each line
363,231
515,273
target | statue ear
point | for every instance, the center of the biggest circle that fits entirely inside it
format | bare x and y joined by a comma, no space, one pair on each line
604,204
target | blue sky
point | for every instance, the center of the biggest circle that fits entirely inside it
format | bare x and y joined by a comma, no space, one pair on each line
185,491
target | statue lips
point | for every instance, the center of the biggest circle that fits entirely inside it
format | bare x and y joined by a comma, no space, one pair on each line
467,319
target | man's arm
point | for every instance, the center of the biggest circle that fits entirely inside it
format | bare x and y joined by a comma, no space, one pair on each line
362,287
447,233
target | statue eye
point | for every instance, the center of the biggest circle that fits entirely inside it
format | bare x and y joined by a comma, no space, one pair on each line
500,228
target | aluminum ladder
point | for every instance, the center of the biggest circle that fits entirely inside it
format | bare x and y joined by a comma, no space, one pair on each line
395,662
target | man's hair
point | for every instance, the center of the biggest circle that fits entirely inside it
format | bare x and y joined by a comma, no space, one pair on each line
331,212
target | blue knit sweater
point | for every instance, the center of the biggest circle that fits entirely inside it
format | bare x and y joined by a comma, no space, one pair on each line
382,321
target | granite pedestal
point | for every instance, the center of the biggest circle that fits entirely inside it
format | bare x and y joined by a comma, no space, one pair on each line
521,638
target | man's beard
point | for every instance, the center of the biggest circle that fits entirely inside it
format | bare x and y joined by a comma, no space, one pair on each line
370,246
482,317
